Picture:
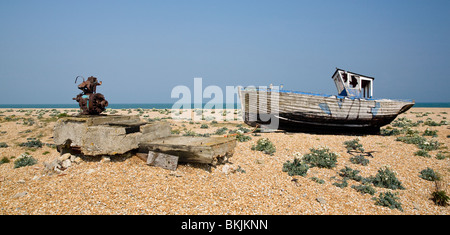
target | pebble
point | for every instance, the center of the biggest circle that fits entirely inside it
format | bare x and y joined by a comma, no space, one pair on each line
66,163
321,200
21,194
65,156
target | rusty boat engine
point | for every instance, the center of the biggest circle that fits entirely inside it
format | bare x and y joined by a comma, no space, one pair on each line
91,102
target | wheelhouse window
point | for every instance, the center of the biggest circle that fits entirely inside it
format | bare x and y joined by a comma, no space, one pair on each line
353,85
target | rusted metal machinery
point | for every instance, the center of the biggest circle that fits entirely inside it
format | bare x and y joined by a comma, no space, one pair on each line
91,102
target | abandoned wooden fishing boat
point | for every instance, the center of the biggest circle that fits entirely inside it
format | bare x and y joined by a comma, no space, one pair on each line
352,110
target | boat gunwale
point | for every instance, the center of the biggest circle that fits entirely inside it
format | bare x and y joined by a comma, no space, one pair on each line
324,95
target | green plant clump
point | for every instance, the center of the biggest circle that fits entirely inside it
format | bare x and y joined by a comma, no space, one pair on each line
296,167
429,145
189,133
422,153
354,145
404,122
3,145
430,122
363,189
411,139
440,198
264,145
321,157
24,160
388,199
317,180
390,132
349,173
4,160
441,156
429,174
32,143
385,178
221,131
429,132
360,159
343,183
242,138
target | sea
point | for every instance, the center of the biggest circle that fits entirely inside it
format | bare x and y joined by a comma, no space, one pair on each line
167,106
116,106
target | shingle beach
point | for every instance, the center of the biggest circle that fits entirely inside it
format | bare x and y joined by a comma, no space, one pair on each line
251,183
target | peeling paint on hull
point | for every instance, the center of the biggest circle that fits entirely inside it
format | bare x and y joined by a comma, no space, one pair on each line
296,111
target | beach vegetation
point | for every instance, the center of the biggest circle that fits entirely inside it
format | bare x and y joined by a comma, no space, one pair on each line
364,189
242,138
422,153
28,121
411,139
429,174
349,173
240,170
388,199
204,126
439,196
317,180
4,160
360,159
321,157
429,145
430,122
3,145
296,167
442,156
353,145
24,160
264,145
386,178
175,131
390,132
62,115
32,143
404,122
189,133
11,118
221,131
342,184
429,132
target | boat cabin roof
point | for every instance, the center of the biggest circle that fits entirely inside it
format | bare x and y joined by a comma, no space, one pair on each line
352,84
357,74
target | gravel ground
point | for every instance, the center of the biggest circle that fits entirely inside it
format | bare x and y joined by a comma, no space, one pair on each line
125,185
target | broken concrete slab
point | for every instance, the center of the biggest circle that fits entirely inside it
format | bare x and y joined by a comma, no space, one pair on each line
162,160
106,134
210,150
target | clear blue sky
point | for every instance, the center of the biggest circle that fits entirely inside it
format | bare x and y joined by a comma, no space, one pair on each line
142,49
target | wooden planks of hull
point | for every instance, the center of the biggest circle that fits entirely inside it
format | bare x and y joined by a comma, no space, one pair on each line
300,109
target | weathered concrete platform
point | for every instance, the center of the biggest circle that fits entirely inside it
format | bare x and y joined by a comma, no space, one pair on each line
114,134
106,135
210,150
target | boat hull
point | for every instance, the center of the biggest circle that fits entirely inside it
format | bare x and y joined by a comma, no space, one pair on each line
299,111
